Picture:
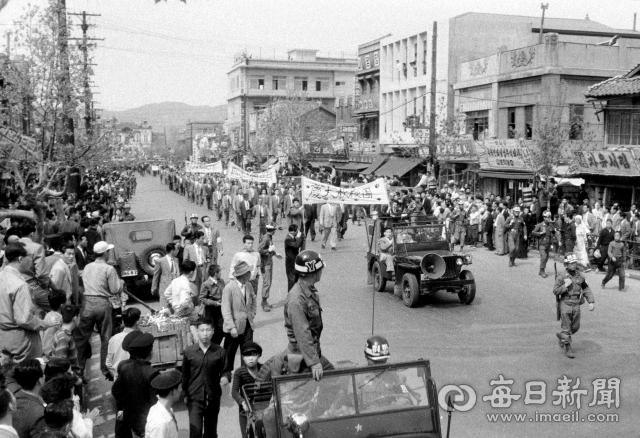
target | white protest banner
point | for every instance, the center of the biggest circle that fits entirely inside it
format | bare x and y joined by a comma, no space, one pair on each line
314,192
236,172
191,167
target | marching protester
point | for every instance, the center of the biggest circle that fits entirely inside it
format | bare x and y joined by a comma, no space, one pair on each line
292,244
267,250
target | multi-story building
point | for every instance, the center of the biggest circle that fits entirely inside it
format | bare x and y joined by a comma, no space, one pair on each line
133,137
256,81
503,98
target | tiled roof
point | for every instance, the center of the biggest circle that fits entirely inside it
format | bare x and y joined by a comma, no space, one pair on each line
622,85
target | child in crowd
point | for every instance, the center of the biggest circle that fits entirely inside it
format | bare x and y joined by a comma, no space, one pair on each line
64,345
246,375
210,297
56,299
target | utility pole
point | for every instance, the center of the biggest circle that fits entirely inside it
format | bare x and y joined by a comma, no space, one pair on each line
63,49
432,109
88,95
544,7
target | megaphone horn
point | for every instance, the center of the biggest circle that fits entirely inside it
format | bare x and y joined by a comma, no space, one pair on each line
433,266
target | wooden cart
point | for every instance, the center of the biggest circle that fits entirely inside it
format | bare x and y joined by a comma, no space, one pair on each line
172,336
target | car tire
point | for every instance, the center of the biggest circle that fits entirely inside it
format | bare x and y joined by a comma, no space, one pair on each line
410,290
468,293
145,259
379,282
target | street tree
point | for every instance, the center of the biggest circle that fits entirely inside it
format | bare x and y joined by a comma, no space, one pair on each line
39,91
291,127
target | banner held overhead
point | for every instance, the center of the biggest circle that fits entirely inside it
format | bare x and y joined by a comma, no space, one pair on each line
314,192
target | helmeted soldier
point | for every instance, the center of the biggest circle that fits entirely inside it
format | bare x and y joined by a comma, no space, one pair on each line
571,290
517,232
302,311
546,232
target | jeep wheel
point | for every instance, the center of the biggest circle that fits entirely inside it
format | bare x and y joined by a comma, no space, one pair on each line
148,257
379,282
468,292
410,290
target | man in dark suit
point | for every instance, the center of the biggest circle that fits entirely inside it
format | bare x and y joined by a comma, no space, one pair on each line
245,214
310,216
167,269
81,253
238,312
132,389
292,245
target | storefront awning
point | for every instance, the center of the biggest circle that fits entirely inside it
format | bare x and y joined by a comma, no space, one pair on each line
379,161
318,164
504,175
398,166
351,167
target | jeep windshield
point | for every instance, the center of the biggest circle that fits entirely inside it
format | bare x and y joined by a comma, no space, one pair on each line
383,400
418,237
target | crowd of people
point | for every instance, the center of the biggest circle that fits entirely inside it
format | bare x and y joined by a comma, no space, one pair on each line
54,294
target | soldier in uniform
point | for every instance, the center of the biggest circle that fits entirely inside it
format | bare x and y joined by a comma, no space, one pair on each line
570,290
547,234
459,225
191,228
517,231
302,311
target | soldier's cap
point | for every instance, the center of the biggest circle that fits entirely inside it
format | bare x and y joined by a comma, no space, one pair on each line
143,340
271,227
102,247
127,206
516,209
126,342
241,269
194,216
250,347
167,380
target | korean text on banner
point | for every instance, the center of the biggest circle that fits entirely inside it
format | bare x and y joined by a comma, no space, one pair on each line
236,172
191,167
314,192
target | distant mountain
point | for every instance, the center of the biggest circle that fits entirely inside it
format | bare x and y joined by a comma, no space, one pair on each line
169,114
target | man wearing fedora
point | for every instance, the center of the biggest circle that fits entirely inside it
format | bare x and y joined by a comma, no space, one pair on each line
102,289
238,311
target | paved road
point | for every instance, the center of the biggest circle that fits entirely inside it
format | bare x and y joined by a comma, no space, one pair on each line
509,330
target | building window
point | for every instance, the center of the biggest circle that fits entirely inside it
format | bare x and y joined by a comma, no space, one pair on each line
623,128
528,122
576,119
322,84
511,123
257,83
340,83
424,57
301,84
478,124
279,82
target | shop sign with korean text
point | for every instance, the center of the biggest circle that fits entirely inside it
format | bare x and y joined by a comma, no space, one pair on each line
314,192
236,172
605,162
509,154
457,149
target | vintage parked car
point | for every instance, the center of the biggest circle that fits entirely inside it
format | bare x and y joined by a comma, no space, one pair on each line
137,246
423,262
384,401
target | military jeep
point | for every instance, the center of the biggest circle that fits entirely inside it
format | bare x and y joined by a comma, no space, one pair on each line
137,247
423,262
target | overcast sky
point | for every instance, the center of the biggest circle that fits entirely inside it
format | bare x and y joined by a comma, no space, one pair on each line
173,51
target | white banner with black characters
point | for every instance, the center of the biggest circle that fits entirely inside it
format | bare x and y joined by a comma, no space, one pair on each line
314,192
191,167
236,172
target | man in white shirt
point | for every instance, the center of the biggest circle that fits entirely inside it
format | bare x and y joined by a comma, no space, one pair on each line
116,353
180,291
161,422
251,257
61,276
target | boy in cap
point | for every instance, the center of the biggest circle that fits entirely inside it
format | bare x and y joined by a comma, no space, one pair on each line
161,422
132,390
246,375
